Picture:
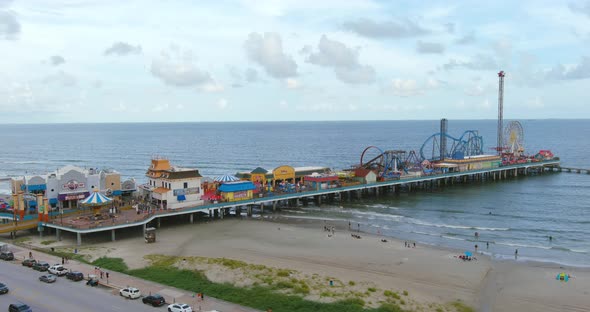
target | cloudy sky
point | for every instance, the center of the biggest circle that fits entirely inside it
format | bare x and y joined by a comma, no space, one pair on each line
253,60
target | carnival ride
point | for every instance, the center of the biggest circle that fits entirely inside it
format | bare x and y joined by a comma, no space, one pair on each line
512,150
436,147
387,164
514,138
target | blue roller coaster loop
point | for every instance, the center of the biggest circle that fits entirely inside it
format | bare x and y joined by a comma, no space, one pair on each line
469,144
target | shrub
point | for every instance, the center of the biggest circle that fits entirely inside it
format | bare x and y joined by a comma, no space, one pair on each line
114,264
351,283
372,289
405,292
47,242
283,273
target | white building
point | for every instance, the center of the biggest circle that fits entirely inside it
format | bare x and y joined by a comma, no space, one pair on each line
172,187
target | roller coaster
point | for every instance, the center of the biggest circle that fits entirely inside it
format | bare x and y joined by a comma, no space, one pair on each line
470,143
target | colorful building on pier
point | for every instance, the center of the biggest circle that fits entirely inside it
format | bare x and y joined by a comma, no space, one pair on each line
172,187
66,186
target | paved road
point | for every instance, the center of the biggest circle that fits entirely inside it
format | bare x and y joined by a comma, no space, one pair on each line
63,295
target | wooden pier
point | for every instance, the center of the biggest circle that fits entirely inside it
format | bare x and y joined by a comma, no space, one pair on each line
219,210
570,169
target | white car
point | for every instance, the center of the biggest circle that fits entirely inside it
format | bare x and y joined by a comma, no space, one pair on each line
130,292
179,307
58,270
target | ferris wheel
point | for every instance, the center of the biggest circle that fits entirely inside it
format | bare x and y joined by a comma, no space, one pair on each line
514,138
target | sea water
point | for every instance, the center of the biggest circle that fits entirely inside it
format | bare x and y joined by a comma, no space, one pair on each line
519,213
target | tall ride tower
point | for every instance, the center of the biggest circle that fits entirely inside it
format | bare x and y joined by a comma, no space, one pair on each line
499,147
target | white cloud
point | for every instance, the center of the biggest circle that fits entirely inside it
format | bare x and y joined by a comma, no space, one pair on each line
392,29
267,51
120,108
283,104
222,104
292,83
475,90
478,62
410,87
122,48
535,103
429,47
343,60
160,108
176,67
212,87
61,78
57,60
9,26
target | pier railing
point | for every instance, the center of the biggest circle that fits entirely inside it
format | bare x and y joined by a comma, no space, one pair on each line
145,218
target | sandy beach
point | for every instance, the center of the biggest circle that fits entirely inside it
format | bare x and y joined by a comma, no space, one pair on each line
431,276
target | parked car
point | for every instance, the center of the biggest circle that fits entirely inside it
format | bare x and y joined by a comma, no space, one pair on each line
3,289
155,300
75,276
19,307
41,266
130,292
7,255
179,307
58,270
29,262
48,278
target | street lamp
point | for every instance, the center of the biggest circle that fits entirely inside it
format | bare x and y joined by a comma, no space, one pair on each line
61,215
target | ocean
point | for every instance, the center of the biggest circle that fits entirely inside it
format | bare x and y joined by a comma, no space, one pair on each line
519,213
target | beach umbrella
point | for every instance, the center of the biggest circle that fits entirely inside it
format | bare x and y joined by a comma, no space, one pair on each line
562,277
95,199
468,253
225,178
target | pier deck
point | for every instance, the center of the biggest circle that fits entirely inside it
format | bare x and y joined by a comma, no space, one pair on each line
222,208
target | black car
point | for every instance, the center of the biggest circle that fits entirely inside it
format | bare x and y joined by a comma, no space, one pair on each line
29,262
75,276
7,255
19,307
155,300
3,289
41,266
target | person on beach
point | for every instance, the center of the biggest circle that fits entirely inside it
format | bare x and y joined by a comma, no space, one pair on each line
475,247
30,255
487,245
550,238
516,254
414,244
405,244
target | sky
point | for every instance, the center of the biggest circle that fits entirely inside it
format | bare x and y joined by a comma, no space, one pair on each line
64,61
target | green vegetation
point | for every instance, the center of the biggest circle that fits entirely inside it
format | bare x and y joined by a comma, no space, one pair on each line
23,239
114,264
255,297
284,294
47,242
461,307
351,283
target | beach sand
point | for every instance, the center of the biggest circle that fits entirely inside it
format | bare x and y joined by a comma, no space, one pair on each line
429,274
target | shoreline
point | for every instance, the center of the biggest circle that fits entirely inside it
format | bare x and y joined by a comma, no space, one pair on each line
431,275
314,222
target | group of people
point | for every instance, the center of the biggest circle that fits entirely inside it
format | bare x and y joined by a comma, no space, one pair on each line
408,245
466,258
355,236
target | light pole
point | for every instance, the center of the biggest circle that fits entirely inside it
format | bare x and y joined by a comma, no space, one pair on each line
61,215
